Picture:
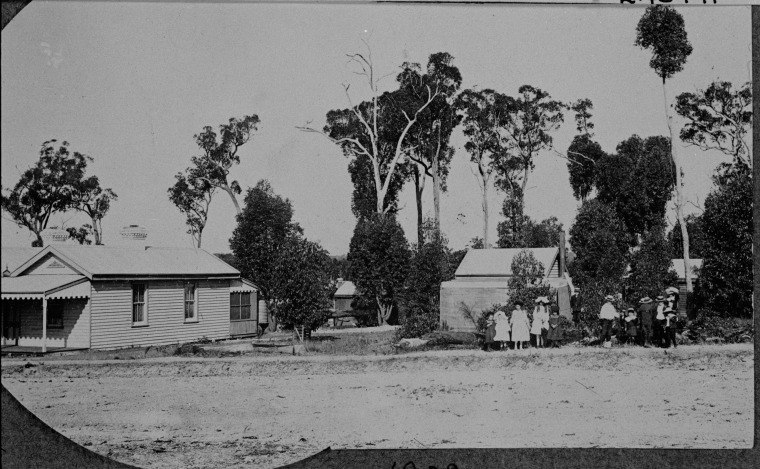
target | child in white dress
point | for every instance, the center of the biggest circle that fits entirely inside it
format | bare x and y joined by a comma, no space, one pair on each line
502,329
540,321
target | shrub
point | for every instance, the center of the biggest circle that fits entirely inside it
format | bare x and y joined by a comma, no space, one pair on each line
417,323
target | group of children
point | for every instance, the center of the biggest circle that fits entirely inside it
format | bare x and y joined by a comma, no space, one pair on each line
518,327
653,323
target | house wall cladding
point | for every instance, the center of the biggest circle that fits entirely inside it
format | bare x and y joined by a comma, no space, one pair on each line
76,324
476,297
112,314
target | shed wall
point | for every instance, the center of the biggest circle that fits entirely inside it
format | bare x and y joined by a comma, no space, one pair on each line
112,314
476,296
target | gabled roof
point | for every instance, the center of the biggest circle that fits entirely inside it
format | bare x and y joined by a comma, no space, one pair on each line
497,262
103,261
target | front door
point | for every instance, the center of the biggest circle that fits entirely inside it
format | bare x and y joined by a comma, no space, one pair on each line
11,323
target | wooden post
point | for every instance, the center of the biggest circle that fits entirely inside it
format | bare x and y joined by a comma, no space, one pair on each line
44,323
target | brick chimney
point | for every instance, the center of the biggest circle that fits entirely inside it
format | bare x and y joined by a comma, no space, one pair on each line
134,235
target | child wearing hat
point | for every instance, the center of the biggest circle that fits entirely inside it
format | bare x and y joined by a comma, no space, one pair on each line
607,314
520,325
631,328
556,332
659,323
670,327
490,332
645,320
540,321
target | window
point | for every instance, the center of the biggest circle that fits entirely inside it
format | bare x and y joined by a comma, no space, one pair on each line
55,314
240,306
190,302
139,305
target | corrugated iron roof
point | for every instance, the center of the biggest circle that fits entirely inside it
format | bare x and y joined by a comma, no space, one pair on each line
104,260
347,290
497,262
34,286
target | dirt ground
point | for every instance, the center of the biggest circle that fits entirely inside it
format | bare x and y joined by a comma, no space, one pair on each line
268,411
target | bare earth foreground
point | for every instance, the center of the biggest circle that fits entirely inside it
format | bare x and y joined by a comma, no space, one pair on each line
254,411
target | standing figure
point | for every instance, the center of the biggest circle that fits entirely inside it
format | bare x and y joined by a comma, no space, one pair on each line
576,304
520,325
645,321
607,314
631,329
673,294
659,323
501,329
540,318
670,327
490,333
556,332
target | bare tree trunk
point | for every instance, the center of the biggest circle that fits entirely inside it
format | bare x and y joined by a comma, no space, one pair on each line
383,312
485,212
200,236
229,191
679,193
418,187
96,233
437,195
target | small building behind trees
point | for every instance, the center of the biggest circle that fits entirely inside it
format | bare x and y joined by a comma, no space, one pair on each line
481,281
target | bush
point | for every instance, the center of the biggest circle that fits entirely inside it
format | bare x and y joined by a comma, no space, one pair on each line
710,324
417,323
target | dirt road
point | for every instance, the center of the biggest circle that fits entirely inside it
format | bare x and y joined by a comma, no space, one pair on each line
269,411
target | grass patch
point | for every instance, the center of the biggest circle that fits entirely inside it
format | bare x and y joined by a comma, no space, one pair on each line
370,343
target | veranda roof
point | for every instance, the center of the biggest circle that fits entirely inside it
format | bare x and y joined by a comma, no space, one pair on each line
38,286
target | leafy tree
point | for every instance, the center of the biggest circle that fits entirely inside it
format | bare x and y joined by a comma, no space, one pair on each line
583,155
264,226
301,284
430,266
379,255
662,30
93,200
511,231
220,153
718,119
81,234
525,233
376,128
364,196
637,181
650,266
726,274
49,186
600,243
527,127
526,283
192,196
477,243
229,258
696,238
481,113
431,152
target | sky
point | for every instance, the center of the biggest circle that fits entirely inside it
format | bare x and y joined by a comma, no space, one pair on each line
131,83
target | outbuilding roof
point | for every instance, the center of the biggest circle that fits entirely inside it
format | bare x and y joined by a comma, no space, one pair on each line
120,261
497,262
346,290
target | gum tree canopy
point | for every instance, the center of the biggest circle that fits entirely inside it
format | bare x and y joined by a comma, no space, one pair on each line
376,128
55,183
220,153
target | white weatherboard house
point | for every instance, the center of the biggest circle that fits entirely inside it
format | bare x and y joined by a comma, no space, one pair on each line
98,297
481,281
